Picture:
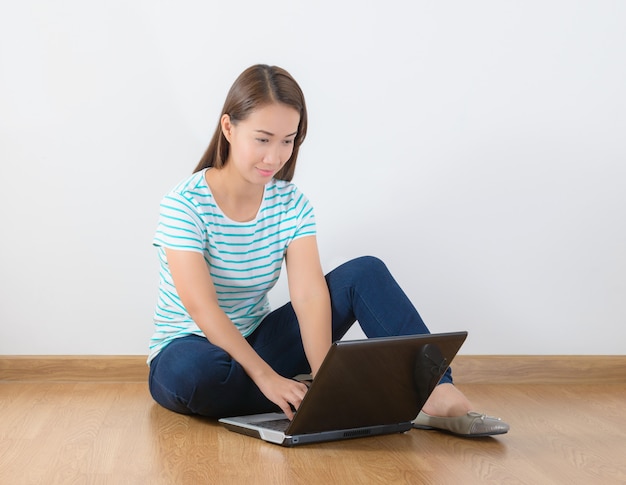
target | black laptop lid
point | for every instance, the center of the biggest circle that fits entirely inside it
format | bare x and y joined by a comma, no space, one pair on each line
376,381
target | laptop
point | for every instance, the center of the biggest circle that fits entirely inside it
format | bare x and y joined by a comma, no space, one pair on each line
363,388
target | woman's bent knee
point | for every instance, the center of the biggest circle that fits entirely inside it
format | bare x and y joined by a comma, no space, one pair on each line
187,374
363,268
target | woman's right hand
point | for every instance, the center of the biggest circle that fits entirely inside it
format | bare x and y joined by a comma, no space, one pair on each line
283,392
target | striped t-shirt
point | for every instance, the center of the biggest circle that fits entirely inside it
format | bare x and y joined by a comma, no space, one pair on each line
244,258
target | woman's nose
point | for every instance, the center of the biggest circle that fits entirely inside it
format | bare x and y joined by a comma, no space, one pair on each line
272,156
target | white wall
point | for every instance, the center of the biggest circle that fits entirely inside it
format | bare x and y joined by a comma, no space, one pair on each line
477,147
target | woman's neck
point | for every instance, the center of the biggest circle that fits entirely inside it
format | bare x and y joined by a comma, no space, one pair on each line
238,199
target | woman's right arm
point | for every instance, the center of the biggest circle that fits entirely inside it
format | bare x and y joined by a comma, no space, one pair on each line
196,290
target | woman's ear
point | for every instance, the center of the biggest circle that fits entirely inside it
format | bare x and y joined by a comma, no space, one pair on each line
227,126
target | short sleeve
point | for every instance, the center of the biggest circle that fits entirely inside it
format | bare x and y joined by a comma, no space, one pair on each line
180,226
305,219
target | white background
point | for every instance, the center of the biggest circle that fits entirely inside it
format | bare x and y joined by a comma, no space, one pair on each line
479,148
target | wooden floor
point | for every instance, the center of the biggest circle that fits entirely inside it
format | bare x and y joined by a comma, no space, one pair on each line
113,433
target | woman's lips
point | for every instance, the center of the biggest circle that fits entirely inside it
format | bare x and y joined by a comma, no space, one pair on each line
265,173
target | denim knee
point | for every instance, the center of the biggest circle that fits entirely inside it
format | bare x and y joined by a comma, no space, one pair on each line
363,268
185,375
368,265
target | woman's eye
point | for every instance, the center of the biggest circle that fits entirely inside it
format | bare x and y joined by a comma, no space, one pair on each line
262,140
288,142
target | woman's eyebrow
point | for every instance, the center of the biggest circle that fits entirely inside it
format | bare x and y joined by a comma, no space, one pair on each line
272,134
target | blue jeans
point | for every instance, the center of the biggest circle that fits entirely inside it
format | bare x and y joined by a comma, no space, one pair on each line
192,376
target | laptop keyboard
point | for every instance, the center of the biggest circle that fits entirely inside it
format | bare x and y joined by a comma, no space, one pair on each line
274,424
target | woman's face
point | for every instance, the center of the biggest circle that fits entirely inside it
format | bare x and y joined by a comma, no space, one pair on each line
261,144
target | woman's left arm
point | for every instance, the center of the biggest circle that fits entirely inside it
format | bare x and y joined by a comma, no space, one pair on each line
310,299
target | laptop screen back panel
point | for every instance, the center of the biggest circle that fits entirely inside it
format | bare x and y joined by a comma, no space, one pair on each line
373,382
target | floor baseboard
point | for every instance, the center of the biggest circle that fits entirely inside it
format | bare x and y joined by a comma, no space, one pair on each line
467,369
74,368
540,369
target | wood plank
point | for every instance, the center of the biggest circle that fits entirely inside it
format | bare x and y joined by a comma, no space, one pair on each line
113,433
494,369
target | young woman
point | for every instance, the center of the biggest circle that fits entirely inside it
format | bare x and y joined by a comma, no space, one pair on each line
222,236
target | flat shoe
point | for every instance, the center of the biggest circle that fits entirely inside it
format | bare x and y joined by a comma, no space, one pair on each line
470,425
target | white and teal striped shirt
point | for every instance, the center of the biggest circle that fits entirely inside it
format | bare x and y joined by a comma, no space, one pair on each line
244,258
